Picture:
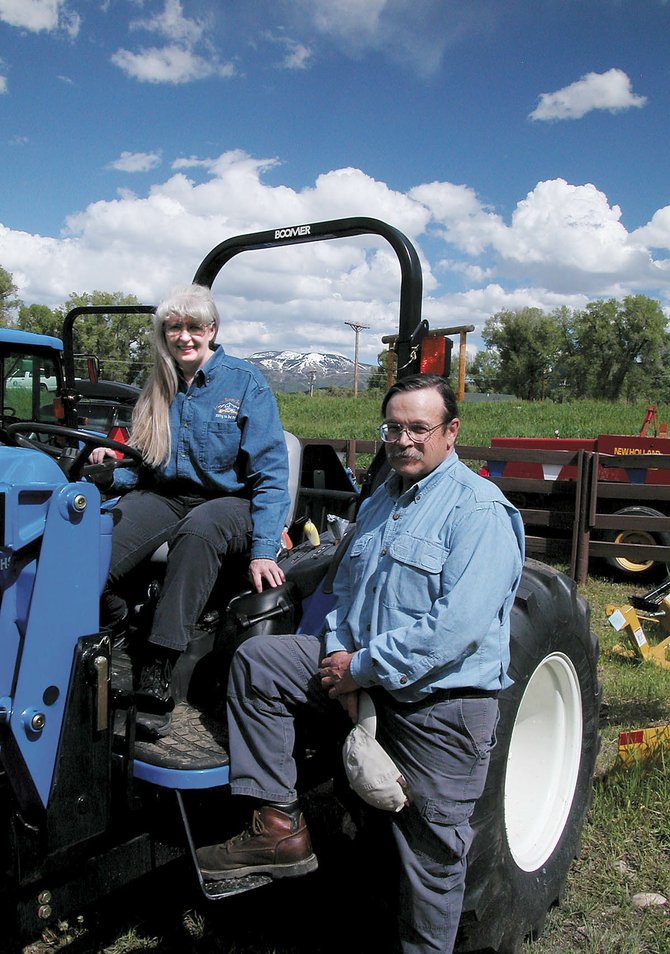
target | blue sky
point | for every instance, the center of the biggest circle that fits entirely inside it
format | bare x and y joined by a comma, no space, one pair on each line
522,145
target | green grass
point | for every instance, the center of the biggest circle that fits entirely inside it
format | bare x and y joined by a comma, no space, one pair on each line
346,418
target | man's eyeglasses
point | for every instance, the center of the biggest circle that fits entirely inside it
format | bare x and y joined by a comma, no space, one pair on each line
174,329
390,432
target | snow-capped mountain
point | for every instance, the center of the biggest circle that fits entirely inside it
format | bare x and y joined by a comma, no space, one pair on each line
297,371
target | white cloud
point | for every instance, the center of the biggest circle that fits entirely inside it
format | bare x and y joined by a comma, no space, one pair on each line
38,15
172,24
179,61
192,162
169,64
297,56
572,226
136,161
348,18
609,91
558,229
3,84
656,234
413,35
476,306
563,244
467,223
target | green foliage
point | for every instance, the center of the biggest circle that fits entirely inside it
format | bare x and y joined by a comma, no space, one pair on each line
39,319
527,343
484,370
610,340
8,300
378,379
122,342
610,349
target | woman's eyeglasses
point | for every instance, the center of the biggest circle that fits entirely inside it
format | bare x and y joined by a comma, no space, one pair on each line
174,329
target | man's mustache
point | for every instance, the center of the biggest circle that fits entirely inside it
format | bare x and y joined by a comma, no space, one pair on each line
405,455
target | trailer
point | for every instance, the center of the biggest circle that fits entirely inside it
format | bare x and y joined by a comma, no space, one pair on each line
620,490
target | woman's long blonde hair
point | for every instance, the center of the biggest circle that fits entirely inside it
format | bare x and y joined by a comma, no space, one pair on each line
151,415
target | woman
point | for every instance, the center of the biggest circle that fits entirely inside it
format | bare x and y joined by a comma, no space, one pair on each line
214,482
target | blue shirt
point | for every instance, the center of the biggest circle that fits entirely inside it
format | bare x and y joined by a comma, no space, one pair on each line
424,592
227,439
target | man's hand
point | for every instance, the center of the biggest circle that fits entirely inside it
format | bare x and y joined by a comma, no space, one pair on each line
267,570
336,677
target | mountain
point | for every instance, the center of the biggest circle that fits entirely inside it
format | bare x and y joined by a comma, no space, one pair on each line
296,371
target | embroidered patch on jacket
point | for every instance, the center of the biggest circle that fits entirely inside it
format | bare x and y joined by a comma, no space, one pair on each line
227,410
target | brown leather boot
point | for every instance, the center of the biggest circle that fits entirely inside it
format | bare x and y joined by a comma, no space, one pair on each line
276,843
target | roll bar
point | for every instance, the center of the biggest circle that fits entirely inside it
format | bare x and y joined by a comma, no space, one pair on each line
410,325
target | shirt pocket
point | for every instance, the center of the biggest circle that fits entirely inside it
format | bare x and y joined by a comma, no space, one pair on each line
358,556
221,446
415,578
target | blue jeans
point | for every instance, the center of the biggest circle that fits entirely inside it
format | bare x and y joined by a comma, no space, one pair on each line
441,747
199,532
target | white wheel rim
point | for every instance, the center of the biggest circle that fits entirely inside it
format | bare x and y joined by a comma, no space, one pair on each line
543,762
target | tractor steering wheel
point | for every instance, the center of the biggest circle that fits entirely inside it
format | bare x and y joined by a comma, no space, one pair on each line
74,467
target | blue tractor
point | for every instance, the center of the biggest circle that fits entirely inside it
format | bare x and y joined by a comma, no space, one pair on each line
86,808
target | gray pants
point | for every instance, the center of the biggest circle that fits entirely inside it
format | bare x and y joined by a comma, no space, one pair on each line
441,747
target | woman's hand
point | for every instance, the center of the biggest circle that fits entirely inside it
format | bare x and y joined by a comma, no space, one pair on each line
98,455
265,570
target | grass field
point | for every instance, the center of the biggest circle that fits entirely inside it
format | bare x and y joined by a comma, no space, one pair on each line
347,418
626,842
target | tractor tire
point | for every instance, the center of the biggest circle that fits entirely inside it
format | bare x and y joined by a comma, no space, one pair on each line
629,569
528,822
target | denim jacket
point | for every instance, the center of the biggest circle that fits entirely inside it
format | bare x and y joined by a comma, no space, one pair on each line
227,439
424,592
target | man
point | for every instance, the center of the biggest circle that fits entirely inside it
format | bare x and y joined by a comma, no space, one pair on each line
421,620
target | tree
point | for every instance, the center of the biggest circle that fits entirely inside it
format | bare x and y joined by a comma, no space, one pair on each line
39,319
122,342
527,345
612,347
378,379
8,300
484,370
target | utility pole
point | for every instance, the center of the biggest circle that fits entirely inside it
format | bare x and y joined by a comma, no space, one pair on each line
357,329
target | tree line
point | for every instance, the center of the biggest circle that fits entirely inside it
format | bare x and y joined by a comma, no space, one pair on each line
610,350
121,342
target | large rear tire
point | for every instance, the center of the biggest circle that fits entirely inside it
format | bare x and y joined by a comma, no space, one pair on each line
529,820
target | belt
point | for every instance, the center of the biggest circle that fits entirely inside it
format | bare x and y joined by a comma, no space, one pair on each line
439,695
467,692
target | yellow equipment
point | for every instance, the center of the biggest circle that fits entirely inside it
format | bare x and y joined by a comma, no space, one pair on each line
652,607
641,743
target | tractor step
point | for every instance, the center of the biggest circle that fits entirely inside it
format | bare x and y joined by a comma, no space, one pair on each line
196,741
216,890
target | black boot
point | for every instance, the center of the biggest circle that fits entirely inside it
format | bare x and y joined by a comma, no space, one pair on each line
153,693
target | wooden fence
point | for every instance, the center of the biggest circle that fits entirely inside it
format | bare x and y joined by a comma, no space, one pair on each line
566,519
